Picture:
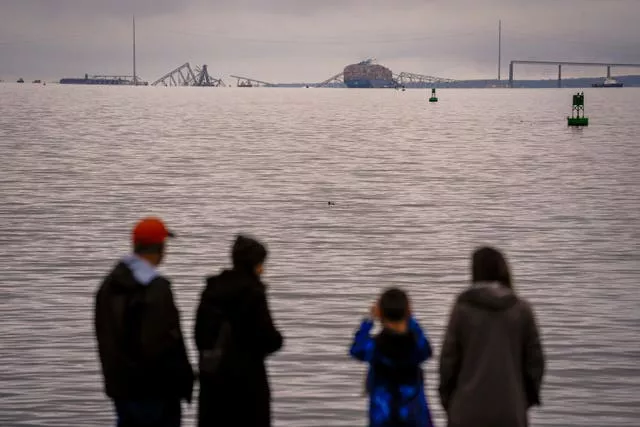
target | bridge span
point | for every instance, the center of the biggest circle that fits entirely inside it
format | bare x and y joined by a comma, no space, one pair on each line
571,63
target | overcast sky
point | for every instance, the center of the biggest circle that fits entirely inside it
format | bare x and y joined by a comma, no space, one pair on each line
310,40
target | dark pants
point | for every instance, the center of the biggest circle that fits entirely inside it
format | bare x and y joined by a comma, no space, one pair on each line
148,413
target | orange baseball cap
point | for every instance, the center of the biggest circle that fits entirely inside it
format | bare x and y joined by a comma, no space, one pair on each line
150,231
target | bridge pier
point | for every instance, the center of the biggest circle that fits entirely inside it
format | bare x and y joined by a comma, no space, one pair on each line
511,74
559,75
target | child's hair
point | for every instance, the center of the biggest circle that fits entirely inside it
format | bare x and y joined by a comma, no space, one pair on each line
394,305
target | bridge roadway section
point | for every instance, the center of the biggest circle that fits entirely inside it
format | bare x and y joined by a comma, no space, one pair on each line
561,63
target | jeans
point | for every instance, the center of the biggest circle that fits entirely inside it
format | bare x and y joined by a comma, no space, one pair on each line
148,413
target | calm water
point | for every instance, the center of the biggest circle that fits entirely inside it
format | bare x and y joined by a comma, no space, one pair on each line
416,187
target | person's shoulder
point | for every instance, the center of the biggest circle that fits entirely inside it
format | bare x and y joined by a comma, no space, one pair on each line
413,322
523,303
116,269
526,308
113,276
214,279
462,297
160,280
159,285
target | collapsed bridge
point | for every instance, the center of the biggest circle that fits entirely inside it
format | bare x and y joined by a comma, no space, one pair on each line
184,75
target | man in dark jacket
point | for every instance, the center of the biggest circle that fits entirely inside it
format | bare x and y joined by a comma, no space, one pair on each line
144,361
491,364
234,325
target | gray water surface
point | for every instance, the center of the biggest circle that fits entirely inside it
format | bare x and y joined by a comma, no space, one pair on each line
416,187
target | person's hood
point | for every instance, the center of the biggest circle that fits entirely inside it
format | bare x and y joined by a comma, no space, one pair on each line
489,295
131,272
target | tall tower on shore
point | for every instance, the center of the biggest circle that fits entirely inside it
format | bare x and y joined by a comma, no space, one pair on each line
135,76
499,47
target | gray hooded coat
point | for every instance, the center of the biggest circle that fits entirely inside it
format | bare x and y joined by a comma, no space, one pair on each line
491,363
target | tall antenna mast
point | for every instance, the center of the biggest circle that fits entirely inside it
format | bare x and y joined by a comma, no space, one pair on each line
135,76
499,46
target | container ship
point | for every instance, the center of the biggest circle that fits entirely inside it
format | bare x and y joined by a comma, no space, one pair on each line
367,74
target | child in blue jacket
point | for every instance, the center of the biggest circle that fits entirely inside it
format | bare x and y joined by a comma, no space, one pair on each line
395,380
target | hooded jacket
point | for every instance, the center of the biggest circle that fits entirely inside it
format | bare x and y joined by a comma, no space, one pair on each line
140,342
395,380
238,393
492,363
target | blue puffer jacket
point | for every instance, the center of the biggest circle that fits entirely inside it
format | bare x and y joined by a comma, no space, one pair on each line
395,380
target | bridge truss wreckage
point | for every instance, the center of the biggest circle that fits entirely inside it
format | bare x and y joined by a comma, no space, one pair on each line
418,80
338,79
184,75
249,82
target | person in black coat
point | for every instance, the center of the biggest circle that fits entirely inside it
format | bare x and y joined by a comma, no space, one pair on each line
234,334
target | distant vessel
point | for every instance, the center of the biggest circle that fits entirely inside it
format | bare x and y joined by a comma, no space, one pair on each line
20,80
102,80
37,81
367,74
608,82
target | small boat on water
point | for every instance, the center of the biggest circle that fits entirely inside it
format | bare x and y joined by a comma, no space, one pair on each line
37,81
20,80
608,82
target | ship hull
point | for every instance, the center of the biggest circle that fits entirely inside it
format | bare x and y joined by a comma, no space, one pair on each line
369,83
80,81
607,85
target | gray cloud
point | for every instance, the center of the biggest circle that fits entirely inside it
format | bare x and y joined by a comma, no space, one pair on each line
309,40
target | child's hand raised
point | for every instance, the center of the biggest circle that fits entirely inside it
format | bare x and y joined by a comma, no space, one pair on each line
375,311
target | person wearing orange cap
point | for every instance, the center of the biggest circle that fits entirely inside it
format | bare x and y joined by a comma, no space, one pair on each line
144,361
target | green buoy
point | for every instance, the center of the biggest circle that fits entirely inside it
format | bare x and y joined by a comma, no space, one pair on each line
577,112
433,98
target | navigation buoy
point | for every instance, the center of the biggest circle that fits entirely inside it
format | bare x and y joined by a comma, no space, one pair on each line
433,98
577,111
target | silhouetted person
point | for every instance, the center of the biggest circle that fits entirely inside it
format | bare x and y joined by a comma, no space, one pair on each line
395,381
144,362
234,334
492,363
